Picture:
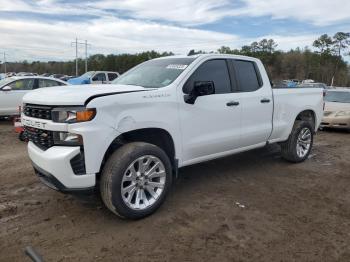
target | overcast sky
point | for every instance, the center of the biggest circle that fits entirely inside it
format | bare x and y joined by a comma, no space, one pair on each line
44,29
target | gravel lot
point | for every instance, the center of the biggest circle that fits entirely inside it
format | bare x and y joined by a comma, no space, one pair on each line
248,207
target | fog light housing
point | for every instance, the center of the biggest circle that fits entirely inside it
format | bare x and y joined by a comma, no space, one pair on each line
67,139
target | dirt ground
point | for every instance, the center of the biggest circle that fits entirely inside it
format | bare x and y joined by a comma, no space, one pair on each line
248,207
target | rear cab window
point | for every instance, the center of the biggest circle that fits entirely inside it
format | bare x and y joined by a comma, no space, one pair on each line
112,76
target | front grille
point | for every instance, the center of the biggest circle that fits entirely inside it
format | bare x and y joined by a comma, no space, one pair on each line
41,138
38,111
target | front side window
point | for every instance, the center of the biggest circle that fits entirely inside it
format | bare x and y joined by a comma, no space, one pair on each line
23,84
211,71
246,75
155,73
99,77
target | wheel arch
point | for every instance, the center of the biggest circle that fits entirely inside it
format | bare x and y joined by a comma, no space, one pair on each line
307,115
156,136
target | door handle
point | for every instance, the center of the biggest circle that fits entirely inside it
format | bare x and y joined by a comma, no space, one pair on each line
265,100
232,103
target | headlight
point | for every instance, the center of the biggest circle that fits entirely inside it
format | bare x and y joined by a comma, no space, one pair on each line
73,114
342,113
67,139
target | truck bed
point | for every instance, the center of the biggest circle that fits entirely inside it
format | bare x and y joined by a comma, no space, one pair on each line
288,103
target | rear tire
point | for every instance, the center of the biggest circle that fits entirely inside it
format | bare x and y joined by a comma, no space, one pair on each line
299,144
136,180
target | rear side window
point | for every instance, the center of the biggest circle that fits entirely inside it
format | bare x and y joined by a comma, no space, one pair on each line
212,70
112,76
48,83
247,76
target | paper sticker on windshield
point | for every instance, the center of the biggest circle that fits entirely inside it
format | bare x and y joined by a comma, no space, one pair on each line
176,66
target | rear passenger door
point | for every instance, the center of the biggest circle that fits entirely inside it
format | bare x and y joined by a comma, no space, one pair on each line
256,101
211,125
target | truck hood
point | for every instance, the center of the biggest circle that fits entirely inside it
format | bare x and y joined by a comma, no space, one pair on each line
76,95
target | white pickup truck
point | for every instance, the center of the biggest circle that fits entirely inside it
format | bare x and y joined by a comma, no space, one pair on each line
129,139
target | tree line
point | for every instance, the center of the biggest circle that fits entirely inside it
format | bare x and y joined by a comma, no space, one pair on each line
325,63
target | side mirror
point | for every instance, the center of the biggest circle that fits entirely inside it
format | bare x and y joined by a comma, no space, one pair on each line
6,88
200,88
95,78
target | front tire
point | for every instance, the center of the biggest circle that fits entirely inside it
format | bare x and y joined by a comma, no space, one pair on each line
299,144
136,180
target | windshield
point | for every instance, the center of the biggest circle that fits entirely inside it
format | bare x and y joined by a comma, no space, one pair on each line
88,74
155,73
5,81
337,96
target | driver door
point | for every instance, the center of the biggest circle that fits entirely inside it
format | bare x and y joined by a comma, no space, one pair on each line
212,125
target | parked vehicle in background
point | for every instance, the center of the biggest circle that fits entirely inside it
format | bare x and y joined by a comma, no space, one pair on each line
337,109
66,78
58,76
46,74
314,84
9,74
12,90
131,137
290,83
94,77
26,74
307,81
297,81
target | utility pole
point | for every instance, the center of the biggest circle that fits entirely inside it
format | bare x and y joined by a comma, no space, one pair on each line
86,58
76,56
75,44
5,62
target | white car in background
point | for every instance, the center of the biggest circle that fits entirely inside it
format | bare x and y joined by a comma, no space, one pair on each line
12,90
